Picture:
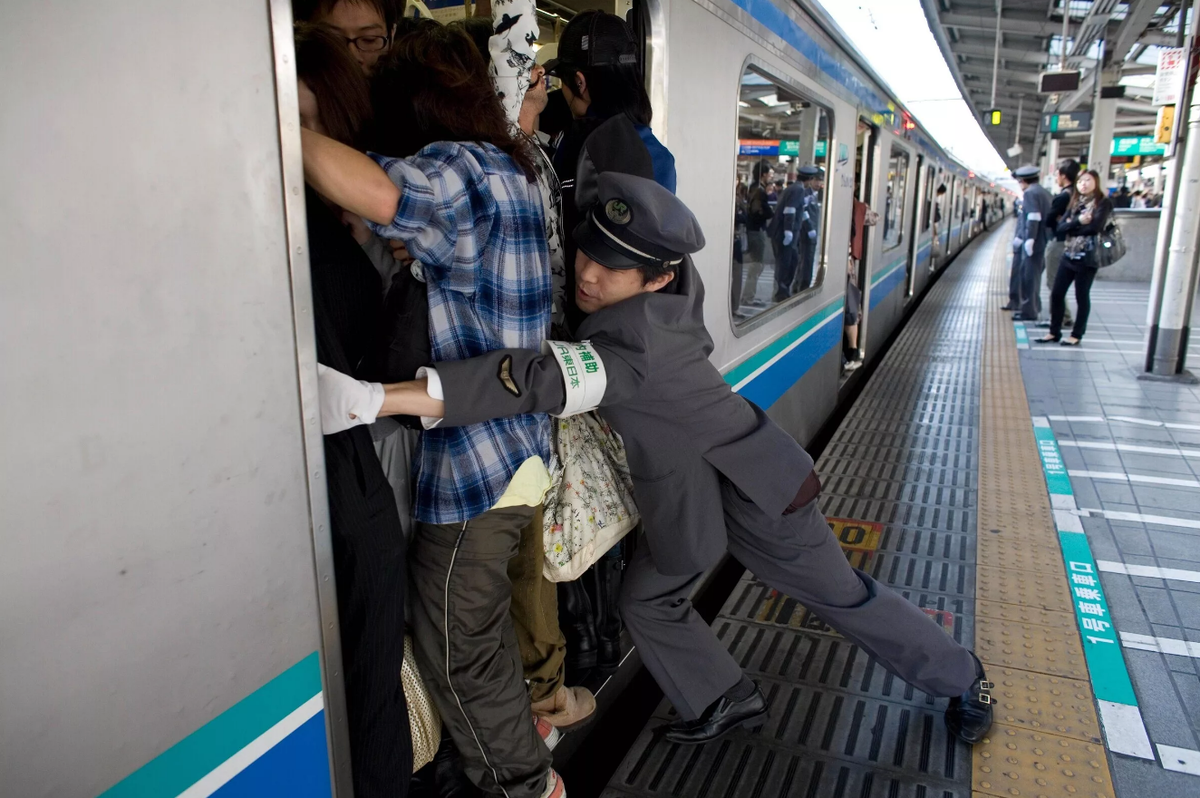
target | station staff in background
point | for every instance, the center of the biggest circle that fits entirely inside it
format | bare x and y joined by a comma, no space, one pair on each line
1030,245
1068,173
715,473
793,234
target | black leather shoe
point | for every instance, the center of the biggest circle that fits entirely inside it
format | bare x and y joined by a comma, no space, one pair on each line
723,716
969,715
1007,307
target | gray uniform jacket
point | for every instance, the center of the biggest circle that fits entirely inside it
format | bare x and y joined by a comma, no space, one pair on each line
682,425
1035,211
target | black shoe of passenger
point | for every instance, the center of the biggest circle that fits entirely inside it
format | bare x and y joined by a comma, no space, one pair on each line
722,717
1007,307
969,715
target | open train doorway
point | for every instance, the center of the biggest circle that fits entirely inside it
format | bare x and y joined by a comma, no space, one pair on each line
914,237
858,265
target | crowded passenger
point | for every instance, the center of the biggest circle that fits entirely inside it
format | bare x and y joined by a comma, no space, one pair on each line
367,535
463,197
365,26
1068,172
732,480
758,216
1087,217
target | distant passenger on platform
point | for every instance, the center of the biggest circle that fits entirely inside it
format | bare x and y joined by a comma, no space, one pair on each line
1122,199
1139,200
366,26
366,528
1068,173
1086,219
464,199
1029,246
714,473
758,216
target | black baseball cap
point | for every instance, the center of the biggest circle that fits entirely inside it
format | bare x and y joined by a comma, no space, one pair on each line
593,39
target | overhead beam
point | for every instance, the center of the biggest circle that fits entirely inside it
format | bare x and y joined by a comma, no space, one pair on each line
1009,23
1141,13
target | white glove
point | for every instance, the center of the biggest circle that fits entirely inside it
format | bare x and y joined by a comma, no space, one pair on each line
812,235
345,401
1017,244
787,238
1029,248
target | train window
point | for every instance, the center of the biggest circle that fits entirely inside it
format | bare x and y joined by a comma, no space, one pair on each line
780,196
927,203
897,185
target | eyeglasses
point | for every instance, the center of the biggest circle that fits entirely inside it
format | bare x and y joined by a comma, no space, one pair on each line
368,44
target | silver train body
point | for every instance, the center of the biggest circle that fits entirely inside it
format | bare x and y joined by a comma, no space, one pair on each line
167,616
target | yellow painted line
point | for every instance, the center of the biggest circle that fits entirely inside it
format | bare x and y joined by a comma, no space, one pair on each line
1046,739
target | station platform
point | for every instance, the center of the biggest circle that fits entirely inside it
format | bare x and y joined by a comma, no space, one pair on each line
1041,504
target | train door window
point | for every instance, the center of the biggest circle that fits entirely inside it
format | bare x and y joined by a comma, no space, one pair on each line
894,202
780,196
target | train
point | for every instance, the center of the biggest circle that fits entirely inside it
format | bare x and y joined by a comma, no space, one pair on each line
167,594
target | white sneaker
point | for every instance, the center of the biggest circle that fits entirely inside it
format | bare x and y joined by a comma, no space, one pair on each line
554,786
852,365
549,733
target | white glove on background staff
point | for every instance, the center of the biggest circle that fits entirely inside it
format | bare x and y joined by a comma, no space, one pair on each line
345,401
1029,248
1017,244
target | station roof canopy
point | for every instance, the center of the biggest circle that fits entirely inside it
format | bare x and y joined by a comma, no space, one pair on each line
1030,42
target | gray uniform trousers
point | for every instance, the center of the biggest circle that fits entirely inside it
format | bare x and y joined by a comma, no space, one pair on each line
797,555
1031,282
1014,279
467,650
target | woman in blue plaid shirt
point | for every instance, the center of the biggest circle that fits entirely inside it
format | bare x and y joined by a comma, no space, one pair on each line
465,202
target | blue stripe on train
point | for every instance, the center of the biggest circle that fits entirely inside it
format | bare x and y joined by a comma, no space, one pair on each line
296,767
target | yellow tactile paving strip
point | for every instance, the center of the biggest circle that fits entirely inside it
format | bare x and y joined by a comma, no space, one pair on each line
1046,739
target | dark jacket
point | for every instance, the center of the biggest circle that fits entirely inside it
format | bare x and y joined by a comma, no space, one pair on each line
1058,207
683,426
1070,227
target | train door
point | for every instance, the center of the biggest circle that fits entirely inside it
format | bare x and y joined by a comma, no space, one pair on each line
865,146
895,223
914,242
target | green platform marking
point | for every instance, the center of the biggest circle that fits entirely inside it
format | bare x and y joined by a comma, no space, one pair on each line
1101,647
1022,335
193,757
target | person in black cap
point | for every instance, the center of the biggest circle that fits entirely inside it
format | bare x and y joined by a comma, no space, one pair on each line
1029,246
793,233
711,472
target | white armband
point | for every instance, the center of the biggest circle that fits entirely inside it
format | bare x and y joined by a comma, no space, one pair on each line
584,379
1033,216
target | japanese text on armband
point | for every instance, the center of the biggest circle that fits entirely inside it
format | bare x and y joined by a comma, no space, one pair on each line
583,375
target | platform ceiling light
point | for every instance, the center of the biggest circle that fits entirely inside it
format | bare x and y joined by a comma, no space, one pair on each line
772,100
992,116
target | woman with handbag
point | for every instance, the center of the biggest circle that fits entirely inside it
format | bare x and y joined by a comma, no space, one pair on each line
1082,224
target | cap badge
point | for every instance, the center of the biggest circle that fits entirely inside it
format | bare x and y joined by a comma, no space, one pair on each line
618,212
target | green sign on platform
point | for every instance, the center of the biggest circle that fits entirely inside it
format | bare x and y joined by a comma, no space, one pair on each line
1129,146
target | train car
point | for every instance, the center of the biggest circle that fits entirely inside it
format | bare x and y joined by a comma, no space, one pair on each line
167,594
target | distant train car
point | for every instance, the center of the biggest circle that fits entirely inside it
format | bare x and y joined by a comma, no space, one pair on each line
167,599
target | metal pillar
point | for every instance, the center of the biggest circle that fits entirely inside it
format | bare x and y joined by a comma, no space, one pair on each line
1170,331
1050,174
1100,145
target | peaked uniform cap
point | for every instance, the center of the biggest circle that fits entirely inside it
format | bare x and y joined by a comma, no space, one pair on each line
636,222
1027,171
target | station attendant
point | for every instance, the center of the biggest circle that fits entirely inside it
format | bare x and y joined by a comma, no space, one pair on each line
1030,245
792,231
711,472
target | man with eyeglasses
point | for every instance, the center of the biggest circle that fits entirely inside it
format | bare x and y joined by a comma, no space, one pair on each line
366,25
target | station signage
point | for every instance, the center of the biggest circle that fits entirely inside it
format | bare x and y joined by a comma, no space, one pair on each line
777,147
1129,146
1065,123
1168,78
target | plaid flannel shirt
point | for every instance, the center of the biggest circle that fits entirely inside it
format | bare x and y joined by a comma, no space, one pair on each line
469,215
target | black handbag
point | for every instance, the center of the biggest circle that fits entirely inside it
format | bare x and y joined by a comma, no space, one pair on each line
1110,246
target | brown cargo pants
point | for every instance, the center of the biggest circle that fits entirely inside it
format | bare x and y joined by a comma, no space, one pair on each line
535,615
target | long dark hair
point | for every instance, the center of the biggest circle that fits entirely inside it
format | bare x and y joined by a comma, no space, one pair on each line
1097,194
330,72
434,86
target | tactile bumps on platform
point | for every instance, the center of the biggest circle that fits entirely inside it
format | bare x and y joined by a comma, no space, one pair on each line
1001,583
1043,703
1017,763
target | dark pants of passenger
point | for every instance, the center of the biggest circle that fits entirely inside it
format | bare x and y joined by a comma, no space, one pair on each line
369,562
797,555
1014,280
1054,256
468,653
804,273
787,260
1031,283
1069,272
